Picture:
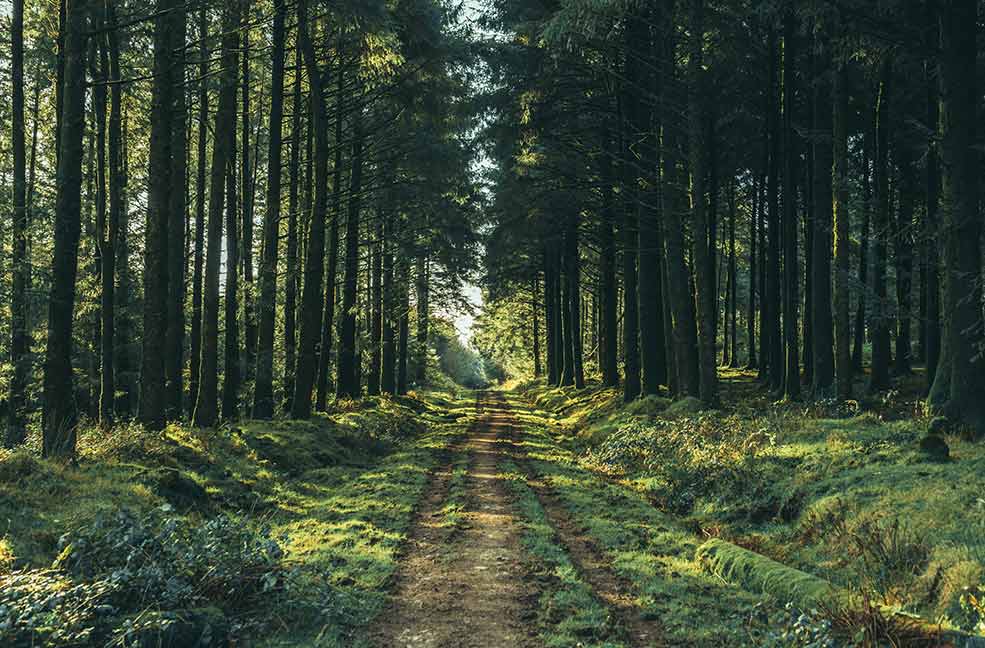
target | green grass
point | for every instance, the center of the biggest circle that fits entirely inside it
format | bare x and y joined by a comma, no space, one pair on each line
453,512
850,499
569,615
649,549
339,493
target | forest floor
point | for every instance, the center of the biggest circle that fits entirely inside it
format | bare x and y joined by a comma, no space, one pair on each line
531,517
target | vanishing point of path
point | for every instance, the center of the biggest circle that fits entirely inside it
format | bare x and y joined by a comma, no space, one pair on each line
465,586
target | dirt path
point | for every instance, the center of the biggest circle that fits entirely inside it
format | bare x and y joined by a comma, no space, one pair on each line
467,589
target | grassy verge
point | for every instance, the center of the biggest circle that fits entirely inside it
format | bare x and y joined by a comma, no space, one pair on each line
841,491
646,547
325,504
569,616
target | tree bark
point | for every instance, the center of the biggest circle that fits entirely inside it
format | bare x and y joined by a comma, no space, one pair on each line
60,416
207,400
263,392
961,370
703,261
200,194
314,259
822,327
175,333
791,373
879,318
347,381
842,234
19,343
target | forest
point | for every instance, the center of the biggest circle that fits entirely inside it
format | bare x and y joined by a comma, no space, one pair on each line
467,323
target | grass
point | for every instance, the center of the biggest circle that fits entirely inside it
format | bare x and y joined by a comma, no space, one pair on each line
338,492
841,493
646,547
569,615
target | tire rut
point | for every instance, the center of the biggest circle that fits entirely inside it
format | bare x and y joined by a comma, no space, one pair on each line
609,588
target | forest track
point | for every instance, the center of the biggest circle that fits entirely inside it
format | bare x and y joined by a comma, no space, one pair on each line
595,569
463,588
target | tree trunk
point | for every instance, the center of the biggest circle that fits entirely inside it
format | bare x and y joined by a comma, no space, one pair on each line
932,341
207,400
822,327
703,261
609,359
791,373
60,415
733,282
328,320
232,379
772,338
153,394
314,258
247,182
962,368
376,313
347,382
388,376
751,310
904,242
291,277
19,344
200,193
263,392
574,290
842,234
879,318
175,334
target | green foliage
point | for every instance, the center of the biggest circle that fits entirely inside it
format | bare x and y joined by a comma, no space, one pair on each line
679,462
161,560
458,360
570,616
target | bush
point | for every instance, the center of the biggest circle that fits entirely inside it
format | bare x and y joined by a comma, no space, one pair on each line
688,459
162,560
150,579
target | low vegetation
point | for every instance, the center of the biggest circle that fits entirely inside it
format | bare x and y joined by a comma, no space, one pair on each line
186,535
843,496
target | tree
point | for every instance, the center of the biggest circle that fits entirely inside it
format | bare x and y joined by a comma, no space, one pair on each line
822,325
842,229
60,416
263,394
315,255
19,343
961,370
206,412
703,261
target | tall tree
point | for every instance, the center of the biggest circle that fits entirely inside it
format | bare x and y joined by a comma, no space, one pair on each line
156,243
842,233
175,335
60,416
314,267
961,370
263,392
822,325
206,412
200,193
704,262
879,317
791,367
19,343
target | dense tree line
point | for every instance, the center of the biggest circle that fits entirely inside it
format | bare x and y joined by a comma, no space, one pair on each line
790,187
267,174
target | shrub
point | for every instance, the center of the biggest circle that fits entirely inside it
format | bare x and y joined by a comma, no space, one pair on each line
163,560
691,458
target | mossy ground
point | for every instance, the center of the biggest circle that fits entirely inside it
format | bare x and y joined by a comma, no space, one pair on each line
339,492
840,492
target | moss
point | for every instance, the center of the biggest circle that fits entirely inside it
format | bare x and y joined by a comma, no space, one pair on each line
569,615
686,406
758,573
